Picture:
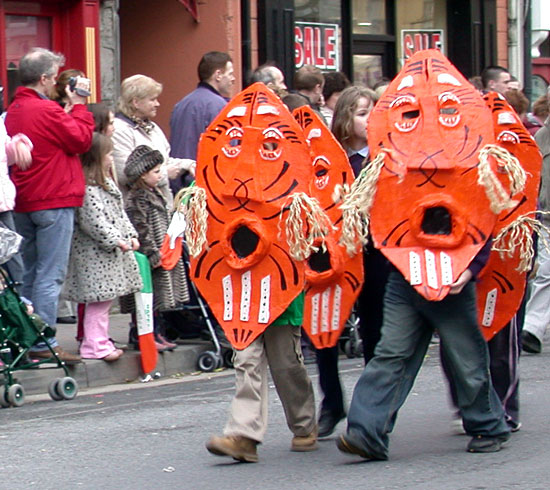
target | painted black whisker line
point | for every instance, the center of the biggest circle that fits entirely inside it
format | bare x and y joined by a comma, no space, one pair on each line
216,169
506,280
282,278
400,239
395,228
286,193
482,235
207,182
390,138
212,267
277,214
293,265
353,278
213,216
474,239
514,209
478,144
465,141
283,171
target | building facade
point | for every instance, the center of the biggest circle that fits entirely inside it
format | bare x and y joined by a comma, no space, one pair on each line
165,39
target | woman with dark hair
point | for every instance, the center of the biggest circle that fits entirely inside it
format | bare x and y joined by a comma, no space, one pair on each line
60,90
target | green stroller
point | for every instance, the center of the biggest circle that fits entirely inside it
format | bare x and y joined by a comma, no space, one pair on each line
19,331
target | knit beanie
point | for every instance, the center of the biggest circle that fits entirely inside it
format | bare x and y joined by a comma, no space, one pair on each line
140,161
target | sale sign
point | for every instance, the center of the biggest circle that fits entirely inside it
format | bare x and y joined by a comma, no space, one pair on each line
413,40
316,44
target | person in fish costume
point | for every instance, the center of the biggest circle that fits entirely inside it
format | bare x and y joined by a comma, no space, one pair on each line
251,226
430,199
501,284
334,277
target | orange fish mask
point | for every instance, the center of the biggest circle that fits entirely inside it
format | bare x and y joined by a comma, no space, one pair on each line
251,159
429,216
333,278
501,286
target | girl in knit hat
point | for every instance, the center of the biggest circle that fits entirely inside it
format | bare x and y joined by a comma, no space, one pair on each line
148,211
102,266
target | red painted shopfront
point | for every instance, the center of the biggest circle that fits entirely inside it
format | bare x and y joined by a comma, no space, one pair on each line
70,27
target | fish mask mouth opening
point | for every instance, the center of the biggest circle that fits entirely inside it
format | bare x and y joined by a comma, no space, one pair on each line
320,261
326,264
437,221
244,243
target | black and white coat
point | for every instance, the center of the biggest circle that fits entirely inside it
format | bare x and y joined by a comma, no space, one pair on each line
98,269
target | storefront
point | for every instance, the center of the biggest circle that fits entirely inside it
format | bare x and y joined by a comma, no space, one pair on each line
370,39
67,26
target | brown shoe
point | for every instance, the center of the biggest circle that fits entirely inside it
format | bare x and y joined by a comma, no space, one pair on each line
238,447
305,443
63,356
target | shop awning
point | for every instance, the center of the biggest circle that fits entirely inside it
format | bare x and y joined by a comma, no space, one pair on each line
191,5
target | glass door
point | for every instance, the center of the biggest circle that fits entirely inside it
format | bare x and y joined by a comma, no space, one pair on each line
372,40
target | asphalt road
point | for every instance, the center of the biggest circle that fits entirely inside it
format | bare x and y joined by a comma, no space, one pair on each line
152,436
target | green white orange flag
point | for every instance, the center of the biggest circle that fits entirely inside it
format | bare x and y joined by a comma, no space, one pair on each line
144,316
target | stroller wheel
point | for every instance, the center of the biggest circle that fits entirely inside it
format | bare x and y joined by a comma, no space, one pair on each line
52,390
348,349
208,361
228,358
4,403
16,395
67,388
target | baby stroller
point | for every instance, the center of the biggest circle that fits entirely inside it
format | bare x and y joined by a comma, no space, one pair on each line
196,315
19,331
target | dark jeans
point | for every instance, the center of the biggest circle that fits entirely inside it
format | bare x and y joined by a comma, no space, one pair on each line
409,321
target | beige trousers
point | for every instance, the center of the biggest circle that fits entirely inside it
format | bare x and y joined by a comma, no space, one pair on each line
279,347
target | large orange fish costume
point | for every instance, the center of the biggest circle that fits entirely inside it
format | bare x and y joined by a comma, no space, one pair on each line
501,284
257,223
333,277
437,180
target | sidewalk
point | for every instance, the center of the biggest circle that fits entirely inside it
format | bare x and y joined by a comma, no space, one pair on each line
93,373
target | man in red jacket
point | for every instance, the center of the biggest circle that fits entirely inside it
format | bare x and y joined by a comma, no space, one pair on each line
53,185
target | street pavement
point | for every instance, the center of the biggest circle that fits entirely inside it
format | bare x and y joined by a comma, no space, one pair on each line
140,436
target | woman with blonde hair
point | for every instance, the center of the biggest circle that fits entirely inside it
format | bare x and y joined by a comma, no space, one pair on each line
134,126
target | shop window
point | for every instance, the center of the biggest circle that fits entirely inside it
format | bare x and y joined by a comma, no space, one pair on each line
22,33
369,17
318,34
421,24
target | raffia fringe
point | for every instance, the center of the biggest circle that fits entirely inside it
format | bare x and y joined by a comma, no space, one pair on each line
191,201
519,235
306,222
499,198
356,203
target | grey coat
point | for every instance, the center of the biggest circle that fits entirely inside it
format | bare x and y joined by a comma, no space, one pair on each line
542,137
149,214
98,269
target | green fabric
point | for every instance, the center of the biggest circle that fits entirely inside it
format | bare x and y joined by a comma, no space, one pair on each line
294,314
145,271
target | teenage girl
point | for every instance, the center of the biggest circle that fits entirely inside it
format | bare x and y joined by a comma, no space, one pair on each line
102,266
